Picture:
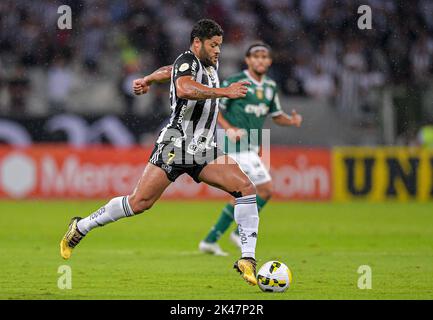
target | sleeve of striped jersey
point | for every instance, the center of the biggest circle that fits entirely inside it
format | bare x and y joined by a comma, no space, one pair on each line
225,102
185,65
275,109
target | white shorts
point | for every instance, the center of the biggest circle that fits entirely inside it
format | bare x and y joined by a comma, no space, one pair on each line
253,166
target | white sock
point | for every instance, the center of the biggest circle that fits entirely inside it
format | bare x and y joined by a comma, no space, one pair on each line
115,209
247,218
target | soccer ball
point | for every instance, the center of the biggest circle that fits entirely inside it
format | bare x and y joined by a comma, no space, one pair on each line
274,276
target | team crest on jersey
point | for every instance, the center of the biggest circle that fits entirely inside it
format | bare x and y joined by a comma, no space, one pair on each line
259,93
269,93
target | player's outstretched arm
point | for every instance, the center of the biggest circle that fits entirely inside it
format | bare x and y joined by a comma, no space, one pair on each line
188,88
285,120
142,85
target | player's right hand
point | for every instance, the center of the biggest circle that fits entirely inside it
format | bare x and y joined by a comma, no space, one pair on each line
140,86
235,134
238,89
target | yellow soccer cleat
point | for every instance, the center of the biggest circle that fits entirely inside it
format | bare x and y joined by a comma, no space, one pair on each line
247,268
72,237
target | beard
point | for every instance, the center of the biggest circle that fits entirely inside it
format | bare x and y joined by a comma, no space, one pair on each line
260,73
205,58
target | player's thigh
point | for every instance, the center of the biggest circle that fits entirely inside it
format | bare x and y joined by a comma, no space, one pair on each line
149,188
224,173
253,167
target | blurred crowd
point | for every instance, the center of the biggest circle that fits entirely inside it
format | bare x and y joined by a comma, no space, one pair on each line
318,50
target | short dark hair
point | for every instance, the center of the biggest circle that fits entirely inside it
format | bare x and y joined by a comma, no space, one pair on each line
206,29
257,45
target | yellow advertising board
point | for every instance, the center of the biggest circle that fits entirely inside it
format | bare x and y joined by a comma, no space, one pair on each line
386,173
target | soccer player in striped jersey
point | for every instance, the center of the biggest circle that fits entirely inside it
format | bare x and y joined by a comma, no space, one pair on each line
187,145
242,117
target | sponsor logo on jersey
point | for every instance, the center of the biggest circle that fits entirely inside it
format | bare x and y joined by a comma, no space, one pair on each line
177,142
181,114
197,145
184,67
259,110
192,148
194,68
210,72
202,142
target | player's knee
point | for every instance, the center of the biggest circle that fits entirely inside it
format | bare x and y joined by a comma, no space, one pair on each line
139,205
265,193
247,187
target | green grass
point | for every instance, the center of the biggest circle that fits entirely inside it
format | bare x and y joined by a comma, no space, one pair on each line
155,256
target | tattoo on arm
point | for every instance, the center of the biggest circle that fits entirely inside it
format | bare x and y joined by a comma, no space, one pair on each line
203,94
193,90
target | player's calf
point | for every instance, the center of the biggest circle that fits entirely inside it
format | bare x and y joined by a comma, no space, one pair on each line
247,218
244,188
140,204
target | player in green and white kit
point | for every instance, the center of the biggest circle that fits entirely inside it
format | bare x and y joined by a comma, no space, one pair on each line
243,120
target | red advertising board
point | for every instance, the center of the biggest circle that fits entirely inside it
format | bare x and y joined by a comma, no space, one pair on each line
301,173
51,172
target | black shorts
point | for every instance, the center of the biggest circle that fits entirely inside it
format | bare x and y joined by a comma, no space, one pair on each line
175,161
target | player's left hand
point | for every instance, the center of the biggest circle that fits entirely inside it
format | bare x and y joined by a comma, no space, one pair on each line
140,86
296,118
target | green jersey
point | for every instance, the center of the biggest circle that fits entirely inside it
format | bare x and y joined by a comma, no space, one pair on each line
250,112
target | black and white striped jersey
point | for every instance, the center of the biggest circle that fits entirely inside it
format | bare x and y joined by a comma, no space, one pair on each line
192,123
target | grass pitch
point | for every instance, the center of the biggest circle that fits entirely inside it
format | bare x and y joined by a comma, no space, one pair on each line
155,255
